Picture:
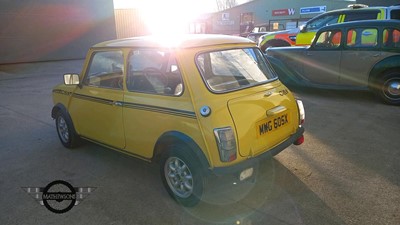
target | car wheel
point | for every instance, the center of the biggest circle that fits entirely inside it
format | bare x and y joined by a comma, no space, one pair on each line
389,87
182,176
66,131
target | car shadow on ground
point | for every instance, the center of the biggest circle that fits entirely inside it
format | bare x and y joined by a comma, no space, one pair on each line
359,96
276,196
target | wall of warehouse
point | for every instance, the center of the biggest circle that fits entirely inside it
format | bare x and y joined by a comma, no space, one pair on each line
41,30
283,13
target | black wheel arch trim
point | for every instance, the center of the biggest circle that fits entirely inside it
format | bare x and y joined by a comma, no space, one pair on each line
60,107
390,63
172,137
56,108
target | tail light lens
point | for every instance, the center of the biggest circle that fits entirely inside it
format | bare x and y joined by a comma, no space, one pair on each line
226,143
302,112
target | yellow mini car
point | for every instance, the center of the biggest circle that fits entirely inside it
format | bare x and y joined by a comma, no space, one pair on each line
199,105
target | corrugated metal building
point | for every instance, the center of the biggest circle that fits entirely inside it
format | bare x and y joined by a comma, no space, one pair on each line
130,23
41,30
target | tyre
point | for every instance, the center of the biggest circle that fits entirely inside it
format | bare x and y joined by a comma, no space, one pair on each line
66,131
182,175
389,87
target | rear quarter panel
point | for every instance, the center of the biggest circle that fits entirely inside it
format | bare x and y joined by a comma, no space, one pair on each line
220,115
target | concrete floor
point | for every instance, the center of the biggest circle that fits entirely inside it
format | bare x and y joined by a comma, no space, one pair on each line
346,172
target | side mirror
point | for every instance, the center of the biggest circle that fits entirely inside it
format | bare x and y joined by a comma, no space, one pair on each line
70,79
303,29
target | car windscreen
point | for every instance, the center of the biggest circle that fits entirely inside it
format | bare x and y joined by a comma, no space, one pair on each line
233,69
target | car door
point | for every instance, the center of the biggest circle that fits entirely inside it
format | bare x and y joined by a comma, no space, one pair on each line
154,89
322,59
362,52
96,106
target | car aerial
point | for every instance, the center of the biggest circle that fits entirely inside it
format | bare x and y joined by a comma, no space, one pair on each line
353,55
199,105
304,34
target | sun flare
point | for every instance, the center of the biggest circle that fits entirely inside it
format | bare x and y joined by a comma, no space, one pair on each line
167,17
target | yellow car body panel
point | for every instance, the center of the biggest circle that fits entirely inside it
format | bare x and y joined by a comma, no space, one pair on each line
305,38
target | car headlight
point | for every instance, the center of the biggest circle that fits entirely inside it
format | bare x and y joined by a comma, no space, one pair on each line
226,143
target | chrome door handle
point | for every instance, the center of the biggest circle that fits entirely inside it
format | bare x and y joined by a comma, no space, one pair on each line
118,103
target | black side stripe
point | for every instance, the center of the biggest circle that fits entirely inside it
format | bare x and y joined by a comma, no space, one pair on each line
158,109
59,91
163,110
94,99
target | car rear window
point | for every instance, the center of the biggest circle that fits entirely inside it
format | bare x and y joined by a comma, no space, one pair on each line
233,69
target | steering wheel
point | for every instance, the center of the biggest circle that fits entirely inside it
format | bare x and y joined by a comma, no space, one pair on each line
118,83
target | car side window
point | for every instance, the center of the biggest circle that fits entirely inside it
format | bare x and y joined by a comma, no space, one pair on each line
362,38
329,40
105,70
391,38
154,71
322,22
361,15
395,14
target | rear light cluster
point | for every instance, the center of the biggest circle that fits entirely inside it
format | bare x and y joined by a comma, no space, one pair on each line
226,143
302,117
302,113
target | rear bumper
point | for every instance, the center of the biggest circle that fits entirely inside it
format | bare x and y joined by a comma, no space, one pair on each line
252,162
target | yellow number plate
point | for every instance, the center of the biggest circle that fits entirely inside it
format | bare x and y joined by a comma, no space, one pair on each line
269,125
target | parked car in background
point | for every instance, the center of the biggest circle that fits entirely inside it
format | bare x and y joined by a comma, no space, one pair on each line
256,36
353,55
199,105
304,34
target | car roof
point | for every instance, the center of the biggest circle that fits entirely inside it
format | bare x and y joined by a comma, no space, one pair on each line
181,41
350,9
362,23
363,8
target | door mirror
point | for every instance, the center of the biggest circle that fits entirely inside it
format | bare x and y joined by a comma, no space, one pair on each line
70,79
303,29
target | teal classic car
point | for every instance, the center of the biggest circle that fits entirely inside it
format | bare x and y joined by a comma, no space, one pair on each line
354,55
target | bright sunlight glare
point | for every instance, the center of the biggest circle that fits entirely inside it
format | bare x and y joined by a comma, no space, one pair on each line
168,16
